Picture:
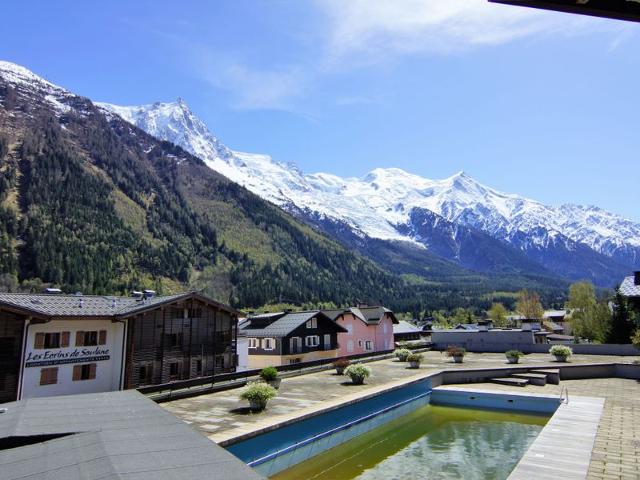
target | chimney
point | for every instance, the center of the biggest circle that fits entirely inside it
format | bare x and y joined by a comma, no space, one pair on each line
148,293
636,278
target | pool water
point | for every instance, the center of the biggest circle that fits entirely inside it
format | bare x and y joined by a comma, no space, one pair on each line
433,442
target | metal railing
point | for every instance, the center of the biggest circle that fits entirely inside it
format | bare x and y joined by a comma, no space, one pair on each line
225,381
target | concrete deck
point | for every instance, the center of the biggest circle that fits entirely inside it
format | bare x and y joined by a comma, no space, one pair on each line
222,416
616,450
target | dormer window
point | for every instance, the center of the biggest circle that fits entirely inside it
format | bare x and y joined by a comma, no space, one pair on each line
313,323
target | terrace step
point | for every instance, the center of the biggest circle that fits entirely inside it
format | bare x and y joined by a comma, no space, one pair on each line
553,375
513,382
539,379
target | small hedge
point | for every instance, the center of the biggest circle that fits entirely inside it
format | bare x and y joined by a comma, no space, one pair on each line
357,373
415,357
269,373
561,351
258,392
402,354
513,353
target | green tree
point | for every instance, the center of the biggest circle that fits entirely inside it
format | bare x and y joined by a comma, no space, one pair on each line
529,305
593,322
498,315
622,325
462,315
582,295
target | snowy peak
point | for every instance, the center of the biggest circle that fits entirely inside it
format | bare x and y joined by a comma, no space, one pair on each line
382,203
23,79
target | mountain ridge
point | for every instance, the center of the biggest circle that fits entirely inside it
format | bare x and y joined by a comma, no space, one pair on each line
381,204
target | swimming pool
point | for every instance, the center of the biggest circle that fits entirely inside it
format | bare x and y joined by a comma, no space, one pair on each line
432,442
411,417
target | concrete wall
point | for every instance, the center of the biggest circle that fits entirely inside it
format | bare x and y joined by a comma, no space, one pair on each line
499,341
108,359
489,341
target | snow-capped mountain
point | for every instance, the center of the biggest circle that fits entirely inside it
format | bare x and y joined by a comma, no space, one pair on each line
394,205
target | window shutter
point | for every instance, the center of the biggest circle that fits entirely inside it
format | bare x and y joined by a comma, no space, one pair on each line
92,371
64,339
79,338
39,343
77,372
102,337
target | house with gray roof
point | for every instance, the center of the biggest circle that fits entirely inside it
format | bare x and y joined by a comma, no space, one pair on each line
56,344
113,435
630,288
290,337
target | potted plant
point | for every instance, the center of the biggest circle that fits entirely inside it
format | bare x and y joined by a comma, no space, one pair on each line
513,356
561,352
258,394
357,373
415,359
457,353
270,375
340,364
402,354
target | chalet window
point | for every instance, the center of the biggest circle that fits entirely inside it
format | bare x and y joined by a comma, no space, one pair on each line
312,341
174,339
313,323
254,343
198,367
49,376
145,374
268,343
368,345
84,372
174,371
349,329
51,340
195,313
359,343
91,338
384,327
350,346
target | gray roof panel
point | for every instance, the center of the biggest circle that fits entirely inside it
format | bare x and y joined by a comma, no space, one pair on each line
628,288
58,305
287,324
115,435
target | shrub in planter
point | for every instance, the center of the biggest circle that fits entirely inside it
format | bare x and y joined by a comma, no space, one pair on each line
561,352
513,356
415,359
258,394
270,375
340,364
402,354
357,373
457,353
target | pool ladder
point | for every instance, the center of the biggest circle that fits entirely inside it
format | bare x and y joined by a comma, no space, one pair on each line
564,395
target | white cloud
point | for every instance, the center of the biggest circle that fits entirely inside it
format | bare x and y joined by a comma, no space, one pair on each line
375,30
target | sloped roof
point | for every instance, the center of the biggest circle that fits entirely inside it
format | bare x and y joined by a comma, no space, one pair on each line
374,314
284,325
57,305
405,327
334,313
554,313
628,288
108,435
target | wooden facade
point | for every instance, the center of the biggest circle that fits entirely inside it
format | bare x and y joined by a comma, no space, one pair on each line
11,336
180,341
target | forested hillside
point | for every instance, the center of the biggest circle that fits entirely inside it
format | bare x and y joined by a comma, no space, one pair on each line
90,203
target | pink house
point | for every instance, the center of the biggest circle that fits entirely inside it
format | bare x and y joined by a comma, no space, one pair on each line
369,329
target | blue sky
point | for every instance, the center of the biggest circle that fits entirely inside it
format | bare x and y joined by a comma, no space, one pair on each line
537,103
